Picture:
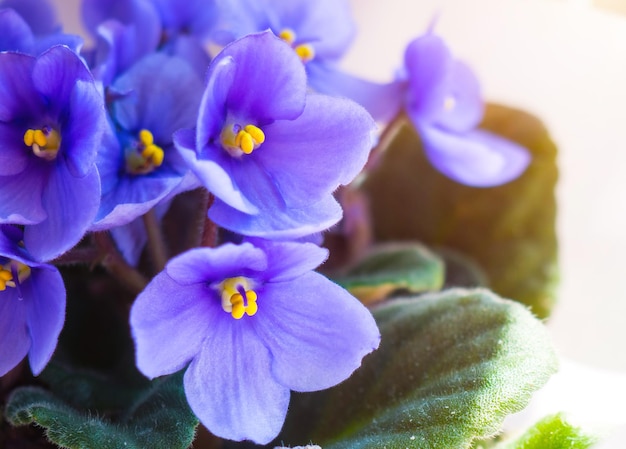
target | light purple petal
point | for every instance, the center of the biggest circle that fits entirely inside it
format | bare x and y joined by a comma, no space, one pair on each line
45,293
463,107
18,97
71,204
191,49
14,154
284,224
382,100
269,82
213,172
209,265
287,260
477,158
316,331
169,322
21,195
229,386
308,158
13,331
428,62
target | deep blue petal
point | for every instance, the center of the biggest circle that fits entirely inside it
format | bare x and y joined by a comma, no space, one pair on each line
137,13
13,330
21,194
477,158
195,17
18,97
233,370
316,331
14,155
71,204
44,292
191,49
169,323
164,97
72,41
213,265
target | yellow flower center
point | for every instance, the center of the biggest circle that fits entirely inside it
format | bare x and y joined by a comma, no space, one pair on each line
238,298
8,272
238,140
44,142
305,51
145,156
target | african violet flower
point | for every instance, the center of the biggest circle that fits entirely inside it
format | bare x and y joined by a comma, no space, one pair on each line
444,103
270,152
32,305
138,164
251,323
51,119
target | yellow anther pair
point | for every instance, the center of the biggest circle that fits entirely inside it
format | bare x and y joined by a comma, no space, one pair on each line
6,278
236,139
305,52
6,275
233,300
45,144
151,152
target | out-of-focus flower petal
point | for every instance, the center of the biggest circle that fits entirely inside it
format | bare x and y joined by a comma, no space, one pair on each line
477,158
16,34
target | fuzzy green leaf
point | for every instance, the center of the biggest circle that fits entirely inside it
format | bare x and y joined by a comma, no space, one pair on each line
509,230
451,366
552,432
409,267
161,418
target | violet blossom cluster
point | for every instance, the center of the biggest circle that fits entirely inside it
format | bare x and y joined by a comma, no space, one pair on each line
93,138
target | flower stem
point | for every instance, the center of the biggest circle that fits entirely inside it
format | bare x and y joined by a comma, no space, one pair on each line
84,255
209,231
114,263
156,242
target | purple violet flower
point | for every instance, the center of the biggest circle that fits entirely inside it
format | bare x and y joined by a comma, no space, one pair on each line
250,323
51,120
32,305
138,163
444,103
270,152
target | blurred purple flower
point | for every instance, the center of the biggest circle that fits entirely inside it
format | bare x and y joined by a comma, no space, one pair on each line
251,323
271,153
51,121
32,305
17,34
444,103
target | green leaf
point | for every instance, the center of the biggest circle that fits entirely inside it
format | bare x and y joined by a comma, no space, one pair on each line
451,366
509,230
161,418
409,267
552,432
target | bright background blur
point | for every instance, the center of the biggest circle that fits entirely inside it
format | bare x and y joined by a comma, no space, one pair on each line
565,62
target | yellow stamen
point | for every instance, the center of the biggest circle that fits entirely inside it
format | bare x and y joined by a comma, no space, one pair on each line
233,300
288,36
147,157
305,52
6,275
45,142
237,140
